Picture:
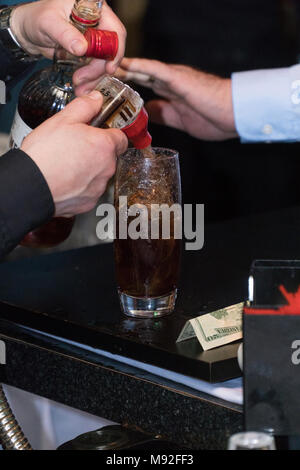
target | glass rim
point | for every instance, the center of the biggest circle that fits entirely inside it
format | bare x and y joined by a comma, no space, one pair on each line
173,153
251,438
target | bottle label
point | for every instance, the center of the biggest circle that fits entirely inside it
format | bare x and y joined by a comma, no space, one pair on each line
19,131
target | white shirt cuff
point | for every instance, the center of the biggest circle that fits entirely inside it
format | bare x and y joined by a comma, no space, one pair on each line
266,104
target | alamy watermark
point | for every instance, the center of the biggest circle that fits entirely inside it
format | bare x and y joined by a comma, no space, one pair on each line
2,92
295,357
2,353
156,221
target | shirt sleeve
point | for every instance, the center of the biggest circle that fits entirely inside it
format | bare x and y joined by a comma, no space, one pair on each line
11,69
266,104
25,199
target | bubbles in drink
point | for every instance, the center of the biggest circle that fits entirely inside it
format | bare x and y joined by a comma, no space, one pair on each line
148,267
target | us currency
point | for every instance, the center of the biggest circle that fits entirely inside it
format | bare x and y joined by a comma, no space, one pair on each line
216,328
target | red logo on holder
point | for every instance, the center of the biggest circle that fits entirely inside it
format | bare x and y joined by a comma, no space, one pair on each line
293,307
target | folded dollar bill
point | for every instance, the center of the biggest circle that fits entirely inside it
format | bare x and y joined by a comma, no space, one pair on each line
216,328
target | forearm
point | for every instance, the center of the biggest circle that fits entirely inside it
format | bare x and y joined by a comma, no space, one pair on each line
267,104
25,199
215,101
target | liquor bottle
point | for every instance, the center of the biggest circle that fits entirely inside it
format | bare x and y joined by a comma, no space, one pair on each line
123,108
49,90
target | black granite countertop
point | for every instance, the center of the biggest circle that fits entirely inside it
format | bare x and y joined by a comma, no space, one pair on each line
116,391
73,295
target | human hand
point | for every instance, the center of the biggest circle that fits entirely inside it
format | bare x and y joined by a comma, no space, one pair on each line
195,102
40,26
77,160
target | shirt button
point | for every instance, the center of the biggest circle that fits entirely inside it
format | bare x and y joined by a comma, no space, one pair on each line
267,129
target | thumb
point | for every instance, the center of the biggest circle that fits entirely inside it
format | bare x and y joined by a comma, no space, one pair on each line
119,140
82,109
66,35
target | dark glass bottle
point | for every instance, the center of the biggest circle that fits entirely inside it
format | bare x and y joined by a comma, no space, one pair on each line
49,90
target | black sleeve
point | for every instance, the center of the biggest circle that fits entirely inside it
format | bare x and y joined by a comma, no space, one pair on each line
10,67
25,199
12,70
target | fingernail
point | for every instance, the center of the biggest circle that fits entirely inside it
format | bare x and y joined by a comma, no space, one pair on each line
78,47
94,95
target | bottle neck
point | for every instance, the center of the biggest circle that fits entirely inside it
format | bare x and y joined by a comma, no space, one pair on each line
63,60
62,74
85,14
81,24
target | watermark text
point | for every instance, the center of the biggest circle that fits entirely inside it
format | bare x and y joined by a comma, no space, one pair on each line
154,221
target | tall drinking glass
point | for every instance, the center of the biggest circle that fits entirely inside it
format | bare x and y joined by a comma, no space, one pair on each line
148,232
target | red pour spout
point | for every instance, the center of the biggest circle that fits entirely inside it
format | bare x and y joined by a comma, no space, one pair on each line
137,131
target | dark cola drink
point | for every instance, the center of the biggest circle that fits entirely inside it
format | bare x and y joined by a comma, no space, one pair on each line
153,269
147,260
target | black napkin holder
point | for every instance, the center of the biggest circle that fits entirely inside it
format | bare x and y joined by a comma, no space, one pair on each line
272,348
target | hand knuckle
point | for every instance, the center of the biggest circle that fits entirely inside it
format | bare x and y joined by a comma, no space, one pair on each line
94,195
110,141
88,206
95,141
123,31
102,187
111,169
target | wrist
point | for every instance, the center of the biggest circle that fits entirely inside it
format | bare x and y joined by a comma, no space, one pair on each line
215,103
209,95
217,94
17,23
228,114
8,39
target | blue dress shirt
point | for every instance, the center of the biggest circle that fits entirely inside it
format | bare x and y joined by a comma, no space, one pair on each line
266,104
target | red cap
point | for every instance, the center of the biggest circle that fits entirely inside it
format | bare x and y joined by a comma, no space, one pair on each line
137,132
101,44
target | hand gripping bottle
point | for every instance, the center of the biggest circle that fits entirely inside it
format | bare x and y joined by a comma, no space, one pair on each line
49,90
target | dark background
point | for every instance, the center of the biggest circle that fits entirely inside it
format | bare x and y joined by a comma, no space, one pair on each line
224,36
218,36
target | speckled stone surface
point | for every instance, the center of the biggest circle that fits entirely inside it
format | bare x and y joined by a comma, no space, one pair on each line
116,391
73,294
